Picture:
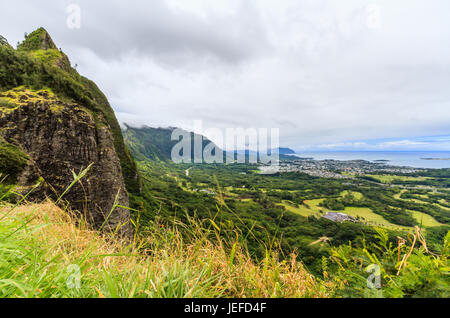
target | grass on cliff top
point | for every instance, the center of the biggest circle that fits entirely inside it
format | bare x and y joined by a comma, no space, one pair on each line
44,253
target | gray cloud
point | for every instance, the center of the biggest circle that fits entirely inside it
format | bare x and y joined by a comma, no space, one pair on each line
151,28
317,69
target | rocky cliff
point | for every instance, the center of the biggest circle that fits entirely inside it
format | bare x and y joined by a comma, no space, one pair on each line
54,121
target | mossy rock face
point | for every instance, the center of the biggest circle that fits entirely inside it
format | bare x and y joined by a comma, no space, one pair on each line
59,138
12,161
21,96
6,104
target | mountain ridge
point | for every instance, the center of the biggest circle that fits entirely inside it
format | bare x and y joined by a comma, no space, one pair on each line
146,142
156,143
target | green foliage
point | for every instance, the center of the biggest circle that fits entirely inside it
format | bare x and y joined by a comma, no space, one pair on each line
12,161
4,42
44,254
232,199
405,270
333,204
50,56
435,235
261,221
253,203
375,199
154,143
432,178
36,40
383,202
149,143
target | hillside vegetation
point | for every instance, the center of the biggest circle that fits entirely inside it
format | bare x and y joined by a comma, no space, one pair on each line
45,253
42,251
283,210
188,230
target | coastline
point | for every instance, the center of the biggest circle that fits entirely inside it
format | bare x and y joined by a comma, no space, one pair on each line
415,159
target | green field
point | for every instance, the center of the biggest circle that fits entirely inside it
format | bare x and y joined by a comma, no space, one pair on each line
398,197
442,207
348,174
371,218
425,219
311,207
357,195
391,178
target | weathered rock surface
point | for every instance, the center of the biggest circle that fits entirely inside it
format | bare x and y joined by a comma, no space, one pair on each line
60,137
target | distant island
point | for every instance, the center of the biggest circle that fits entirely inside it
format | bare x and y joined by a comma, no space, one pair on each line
435,158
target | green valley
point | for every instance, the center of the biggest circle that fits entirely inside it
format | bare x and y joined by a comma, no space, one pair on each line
81,194
286,207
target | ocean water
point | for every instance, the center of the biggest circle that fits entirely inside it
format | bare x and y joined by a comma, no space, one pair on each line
394,158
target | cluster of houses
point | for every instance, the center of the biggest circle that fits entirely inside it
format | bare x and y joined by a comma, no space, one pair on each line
335,168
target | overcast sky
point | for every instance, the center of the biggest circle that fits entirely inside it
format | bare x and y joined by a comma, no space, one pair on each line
331,74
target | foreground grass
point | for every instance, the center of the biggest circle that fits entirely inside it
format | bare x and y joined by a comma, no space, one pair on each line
44,253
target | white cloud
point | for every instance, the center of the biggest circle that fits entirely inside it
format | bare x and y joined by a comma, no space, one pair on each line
437,143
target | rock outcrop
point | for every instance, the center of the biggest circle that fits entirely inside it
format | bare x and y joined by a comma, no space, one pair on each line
60,138
54,121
